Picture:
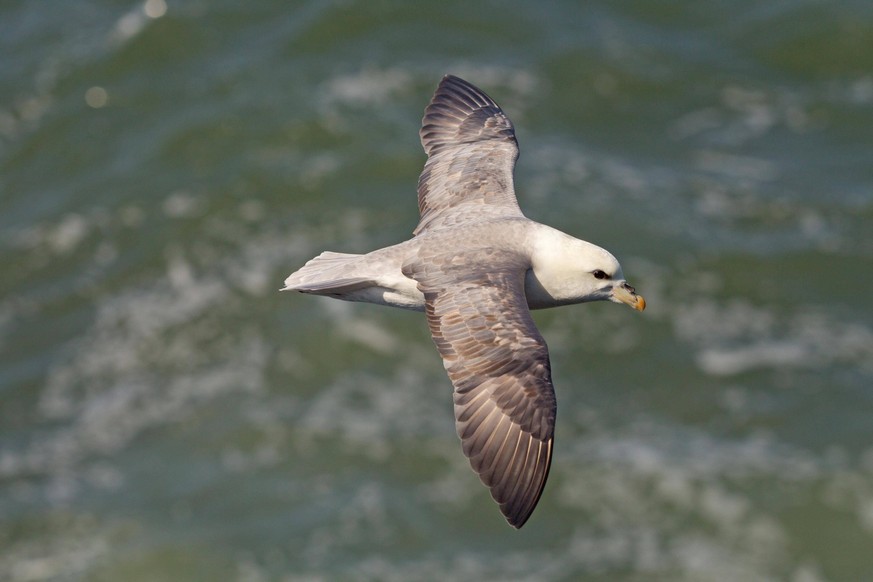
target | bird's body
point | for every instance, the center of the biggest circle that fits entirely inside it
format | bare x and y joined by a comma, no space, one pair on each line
476,266
378,277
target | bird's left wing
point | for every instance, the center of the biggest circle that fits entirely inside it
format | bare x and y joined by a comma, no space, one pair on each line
471,152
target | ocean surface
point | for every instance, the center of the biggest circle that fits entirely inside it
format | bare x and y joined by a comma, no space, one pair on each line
167,414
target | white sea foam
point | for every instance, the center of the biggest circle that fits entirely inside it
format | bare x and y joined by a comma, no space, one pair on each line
367,412
368,86
136,19
151,352
738,337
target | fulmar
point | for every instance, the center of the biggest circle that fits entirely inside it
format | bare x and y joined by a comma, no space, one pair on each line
476,266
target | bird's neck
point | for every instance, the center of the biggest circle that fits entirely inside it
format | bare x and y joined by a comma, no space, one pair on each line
552,279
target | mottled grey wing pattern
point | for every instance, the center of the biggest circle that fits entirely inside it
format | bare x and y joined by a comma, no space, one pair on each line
471,150
499,365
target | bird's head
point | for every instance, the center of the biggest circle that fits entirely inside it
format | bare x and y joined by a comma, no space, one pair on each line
567,270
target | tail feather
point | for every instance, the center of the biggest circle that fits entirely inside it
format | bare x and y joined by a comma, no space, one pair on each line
328,273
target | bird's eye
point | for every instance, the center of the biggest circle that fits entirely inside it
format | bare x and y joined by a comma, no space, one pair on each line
598,274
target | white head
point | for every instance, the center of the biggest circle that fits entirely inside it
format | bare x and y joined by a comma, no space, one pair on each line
567,270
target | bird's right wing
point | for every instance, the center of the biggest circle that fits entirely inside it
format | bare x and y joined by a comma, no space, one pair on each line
499,365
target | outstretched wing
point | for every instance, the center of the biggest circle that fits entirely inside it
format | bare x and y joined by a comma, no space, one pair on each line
499,365
471,150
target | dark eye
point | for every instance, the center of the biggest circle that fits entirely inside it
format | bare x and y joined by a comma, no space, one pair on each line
598,274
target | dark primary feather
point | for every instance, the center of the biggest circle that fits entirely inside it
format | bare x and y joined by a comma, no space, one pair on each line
471,150
499,365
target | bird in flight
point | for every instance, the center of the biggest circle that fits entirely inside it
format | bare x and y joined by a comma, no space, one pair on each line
476,266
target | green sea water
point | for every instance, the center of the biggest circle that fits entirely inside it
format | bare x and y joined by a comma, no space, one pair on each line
167,414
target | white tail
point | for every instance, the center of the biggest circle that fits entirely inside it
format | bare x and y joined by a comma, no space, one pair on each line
376,277
328,274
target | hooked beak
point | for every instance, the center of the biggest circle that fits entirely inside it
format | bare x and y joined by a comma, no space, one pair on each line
626,294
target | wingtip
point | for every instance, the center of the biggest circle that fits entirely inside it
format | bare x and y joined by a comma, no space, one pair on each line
450,79
454,102
523,514
517,524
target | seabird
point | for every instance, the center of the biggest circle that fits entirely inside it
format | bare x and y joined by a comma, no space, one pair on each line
476,266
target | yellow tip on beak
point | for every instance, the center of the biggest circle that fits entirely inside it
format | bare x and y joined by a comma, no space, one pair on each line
623,295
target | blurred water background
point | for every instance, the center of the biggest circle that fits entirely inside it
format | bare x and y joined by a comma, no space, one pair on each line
166,414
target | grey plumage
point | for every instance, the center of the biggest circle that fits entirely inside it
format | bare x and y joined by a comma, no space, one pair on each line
499,365
471,150
476,266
